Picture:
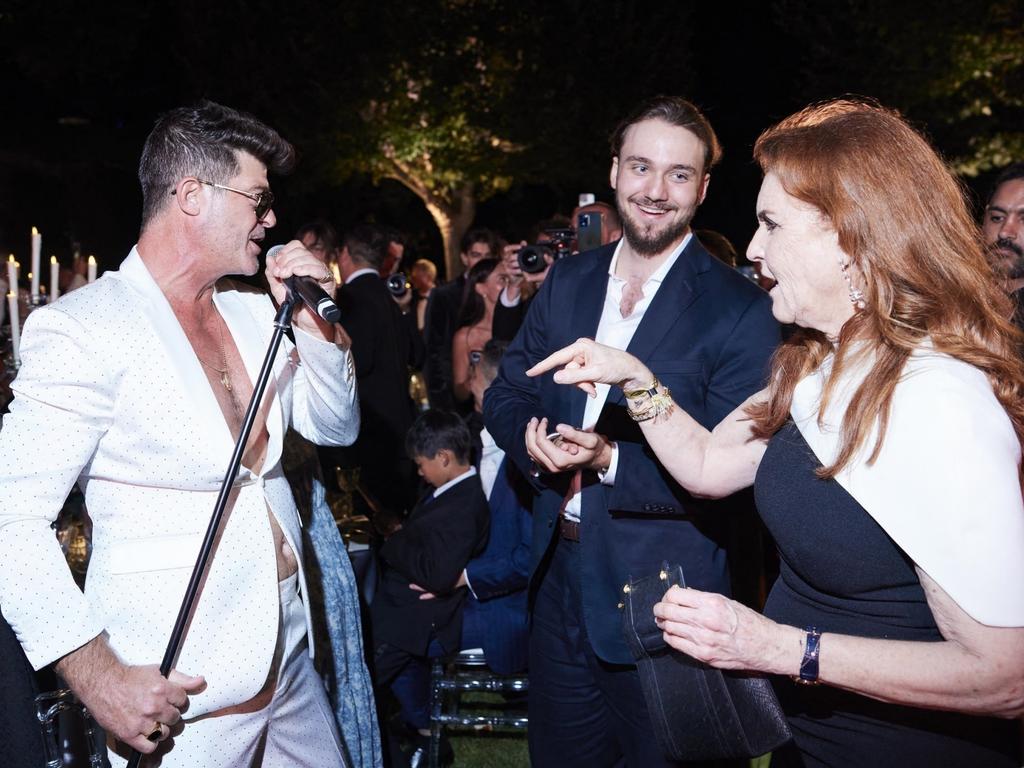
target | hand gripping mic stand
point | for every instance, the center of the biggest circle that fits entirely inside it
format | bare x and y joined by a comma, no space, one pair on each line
282,323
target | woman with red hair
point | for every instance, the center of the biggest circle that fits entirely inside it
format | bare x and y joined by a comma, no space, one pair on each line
885,456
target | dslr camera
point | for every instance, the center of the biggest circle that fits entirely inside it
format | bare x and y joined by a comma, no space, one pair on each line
398,284
560,243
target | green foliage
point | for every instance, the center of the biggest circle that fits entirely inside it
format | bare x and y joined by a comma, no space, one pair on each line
957,68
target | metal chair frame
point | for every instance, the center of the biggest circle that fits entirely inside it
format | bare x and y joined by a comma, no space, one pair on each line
467,671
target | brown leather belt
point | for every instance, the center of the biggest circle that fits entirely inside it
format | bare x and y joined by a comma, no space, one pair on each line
568,529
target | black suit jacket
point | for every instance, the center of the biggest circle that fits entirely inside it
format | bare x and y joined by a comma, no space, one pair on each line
384,347
708,335
431,549
438,331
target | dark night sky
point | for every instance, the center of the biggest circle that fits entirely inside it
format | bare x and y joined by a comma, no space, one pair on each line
78,180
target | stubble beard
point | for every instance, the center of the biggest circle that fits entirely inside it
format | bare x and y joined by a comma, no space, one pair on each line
1010,267
641,239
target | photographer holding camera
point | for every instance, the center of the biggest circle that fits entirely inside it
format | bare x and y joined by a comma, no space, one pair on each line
596,224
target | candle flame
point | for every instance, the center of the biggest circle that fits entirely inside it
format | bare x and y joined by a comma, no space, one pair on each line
35,231
11,258
92,259
53,259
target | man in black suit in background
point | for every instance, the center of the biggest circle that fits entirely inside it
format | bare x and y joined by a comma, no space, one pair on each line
442,314
385,344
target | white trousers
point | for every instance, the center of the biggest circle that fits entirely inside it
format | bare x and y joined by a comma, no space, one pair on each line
289,724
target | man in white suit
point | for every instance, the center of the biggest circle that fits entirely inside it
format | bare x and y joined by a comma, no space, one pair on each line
135,386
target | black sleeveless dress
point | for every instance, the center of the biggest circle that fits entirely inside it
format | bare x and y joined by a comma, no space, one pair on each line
840,572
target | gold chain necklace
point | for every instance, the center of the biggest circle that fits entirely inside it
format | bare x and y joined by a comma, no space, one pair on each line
225,379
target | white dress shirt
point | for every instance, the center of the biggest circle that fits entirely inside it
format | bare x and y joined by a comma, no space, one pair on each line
616,331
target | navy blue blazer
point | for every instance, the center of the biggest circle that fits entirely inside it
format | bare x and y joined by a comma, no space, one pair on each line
500,575
708,335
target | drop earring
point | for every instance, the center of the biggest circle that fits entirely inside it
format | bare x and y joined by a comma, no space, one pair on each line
856,294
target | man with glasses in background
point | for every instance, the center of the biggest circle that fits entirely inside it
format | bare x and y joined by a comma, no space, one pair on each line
135,386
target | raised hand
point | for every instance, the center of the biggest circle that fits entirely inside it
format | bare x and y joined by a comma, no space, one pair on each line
586,363
568,450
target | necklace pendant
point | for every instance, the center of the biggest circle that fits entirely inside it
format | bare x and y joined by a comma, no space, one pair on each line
225,381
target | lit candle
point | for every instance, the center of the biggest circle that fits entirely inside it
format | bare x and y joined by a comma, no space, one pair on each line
92,269
12,273
37,247
54,277
12,307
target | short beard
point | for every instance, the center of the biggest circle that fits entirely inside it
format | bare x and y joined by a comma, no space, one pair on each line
1009,268
644,244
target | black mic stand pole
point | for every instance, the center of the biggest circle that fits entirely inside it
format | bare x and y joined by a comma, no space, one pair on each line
282,322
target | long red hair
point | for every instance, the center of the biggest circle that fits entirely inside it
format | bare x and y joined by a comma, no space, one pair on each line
903,221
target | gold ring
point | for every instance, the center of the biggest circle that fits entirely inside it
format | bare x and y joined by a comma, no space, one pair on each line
156,732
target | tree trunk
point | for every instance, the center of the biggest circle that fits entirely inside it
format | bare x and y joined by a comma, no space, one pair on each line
452,214
453,221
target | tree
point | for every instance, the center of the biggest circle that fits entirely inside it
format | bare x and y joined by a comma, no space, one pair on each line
959,73
475,95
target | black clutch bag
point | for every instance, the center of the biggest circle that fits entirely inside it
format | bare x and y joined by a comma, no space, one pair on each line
699,712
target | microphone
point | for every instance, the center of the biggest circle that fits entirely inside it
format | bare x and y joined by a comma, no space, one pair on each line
309,290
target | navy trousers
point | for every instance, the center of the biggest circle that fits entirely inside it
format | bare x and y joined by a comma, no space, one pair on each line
583,711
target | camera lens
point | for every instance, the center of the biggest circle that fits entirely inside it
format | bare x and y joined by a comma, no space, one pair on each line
531,258
397,284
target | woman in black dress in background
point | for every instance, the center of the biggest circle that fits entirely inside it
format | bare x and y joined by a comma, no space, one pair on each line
886,451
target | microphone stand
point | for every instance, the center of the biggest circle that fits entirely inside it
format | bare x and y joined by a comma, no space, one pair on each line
282,323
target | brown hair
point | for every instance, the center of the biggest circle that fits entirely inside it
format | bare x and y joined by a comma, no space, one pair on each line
676,111
903,221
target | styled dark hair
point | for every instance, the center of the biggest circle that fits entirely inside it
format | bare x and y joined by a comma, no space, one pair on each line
366,245
1011,172
676,111
475,236
322,232
472,310
435,431
202,141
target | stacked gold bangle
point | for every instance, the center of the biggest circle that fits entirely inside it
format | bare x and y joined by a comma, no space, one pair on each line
649,403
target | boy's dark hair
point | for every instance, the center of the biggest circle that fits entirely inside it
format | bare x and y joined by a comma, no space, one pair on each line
435,431
201,141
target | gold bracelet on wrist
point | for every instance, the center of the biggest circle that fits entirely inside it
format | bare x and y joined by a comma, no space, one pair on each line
650,389
649,404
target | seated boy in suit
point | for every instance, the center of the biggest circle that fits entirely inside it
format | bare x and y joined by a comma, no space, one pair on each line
428,552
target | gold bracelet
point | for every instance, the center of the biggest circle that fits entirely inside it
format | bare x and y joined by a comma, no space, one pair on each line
649,390
658,403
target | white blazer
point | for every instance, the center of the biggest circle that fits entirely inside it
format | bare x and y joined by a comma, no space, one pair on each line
111,394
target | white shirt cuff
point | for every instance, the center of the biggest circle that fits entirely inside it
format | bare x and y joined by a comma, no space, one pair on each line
608,476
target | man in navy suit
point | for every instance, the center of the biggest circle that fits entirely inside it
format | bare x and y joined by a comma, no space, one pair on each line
605,508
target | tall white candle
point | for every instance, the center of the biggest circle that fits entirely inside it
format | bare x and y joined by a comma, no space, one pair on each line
12,273
37,247
12,307
92,269
54,278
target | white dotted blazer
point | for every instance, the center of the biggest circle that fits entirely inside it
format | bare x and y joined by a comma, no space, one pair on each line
111,394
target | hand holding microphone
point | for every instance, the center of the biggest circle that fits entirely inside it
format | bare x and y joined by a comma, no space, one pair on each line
306,277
